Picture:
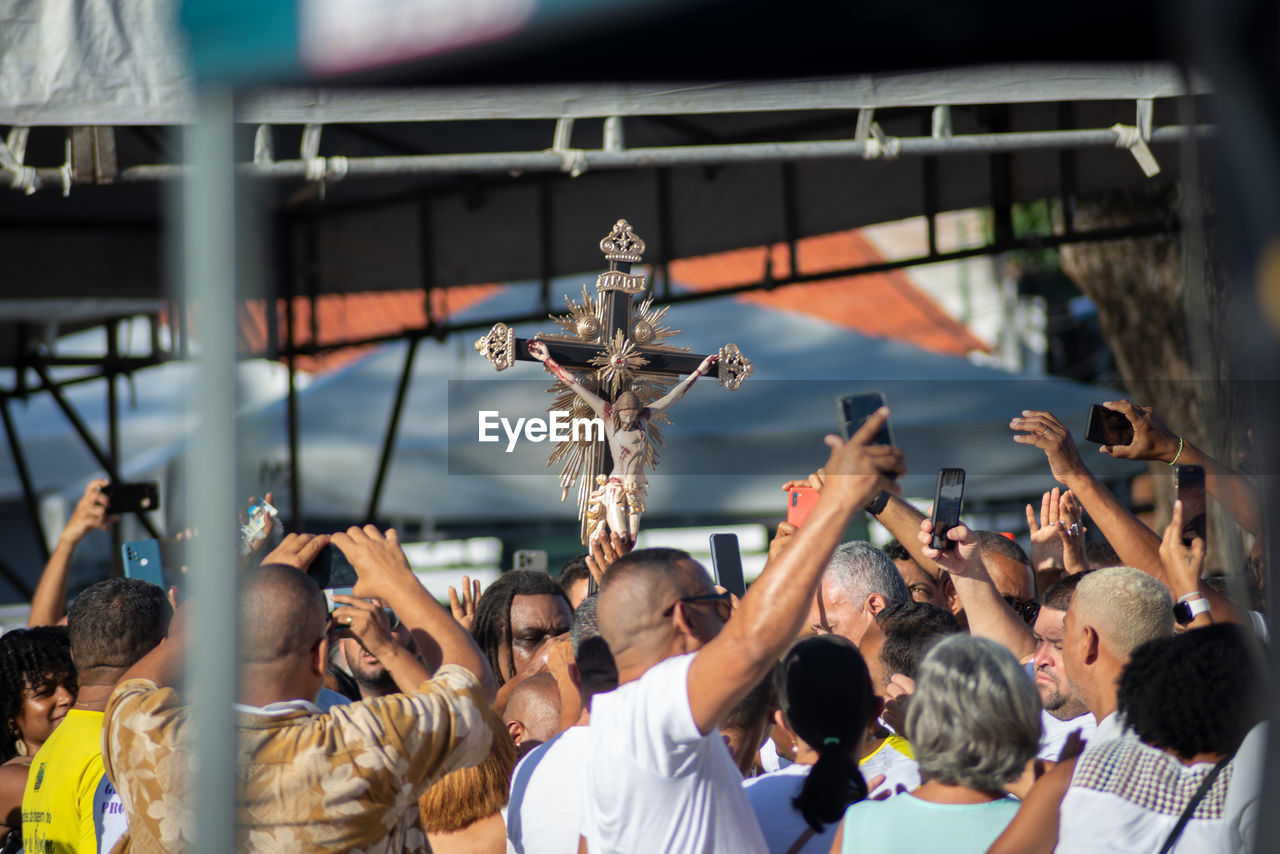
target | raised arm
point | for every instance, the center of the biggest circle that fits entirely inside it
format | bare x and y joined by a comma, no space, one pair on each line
773,611
538,350
1153,441
988,614
684,385
384,573
49,602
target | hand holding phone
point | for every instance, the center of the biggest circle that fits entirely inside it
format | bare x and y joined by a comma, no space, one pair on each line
142,560
132,497
855,409
1189,485
800,502
948,501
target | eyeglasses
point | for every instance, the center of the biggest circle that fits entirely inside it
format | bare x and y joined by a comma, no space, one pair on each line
723,603
1027,609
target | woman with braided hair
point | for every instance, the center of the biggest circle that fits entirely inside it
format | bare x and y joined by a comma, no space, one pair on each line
37,687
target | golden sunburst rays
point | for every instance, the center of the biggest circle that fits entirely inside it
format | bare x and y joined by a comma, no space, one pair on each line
618,364
583,319
647,329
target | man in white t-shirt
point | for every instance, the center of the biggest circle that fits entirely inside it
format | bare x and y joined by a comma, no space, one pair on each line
548,787
1064,710
659,777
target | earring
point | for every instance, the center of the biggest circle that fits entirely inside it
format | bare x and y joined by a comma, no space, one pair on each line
19,746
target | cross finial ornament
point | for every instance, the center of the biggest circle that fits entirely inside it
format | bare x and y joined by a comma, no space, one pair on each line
611,360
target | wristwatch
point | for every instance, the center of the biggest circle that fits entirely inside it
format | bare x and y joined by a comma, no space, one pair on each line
1188,609
877,505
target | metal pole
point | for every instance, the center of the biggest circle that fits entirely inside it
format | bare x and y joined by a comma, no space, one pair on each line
679,155
113,432
29,494
86,436
393,427
206,239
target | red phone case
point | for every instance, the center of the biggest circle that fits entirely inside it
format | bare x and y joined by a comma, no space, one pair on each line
800,501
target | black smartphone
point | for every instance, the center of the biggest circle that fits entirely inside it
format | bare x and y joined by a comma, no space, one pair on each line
854,409
1188,481
132,497
948,500
1108,427
726,563
332,569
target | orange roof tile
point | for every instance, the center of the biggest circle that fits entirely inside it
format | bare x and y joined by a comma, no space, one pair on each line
352,317
882,305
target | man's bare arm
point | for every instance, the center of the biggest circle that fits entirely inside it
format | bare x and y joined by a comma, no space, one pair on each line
772,612
989,615
384,573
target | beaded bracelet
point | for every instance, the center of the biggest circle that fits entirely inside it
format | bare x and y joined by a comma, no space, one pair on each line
1178,455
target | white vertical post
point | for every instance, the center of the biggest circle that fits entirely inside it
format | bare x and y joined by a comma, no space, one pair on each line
205,237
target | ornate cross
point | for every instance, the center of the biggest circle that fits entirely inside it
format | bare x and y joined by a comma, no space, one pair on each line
612,342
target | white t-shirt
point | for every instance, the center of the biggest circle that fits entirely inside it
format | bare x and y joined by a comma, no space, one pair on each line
770,796
654,783
770,759
109,820
544,815
1126,796
1055,733
1240,812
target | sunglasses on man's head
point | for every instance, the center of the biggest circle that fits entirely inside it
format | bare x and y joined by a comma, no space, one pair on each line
723,603
1027,609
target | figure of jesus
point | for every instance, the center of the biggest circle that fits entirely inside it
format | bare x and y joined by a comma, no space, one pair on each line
626,423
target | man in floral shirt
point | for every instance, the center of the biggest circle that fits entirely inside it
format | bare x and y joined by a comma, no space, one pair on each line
344,781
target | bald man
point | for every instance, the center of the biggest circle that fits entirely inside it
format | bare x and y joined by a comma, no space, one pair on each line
315,782
533,712
659,777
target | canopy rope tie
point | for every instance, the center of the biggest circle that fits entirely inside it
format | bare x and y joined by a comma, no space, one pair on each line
572,160
879,145
12,153
1135,138
65,173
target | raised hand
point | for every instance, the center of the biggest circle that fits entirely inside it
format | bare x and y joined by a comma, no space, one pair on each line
705,367
897,696
297,550
961,560
1046,545
1071,531
377,557
1151,439
781,539
364,620
1182,564
90,513
464,608
604,550
1048,434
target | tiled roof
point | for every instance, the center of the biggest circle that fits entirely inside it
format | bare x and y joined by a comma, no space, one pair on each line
882,305
353,317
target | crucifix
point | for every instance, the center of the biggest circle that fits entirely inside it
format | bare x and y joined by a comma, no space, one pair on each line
611,361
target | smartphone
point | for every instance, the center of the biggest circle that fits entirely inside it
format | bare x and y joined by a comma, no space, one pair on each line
331,569
726,563
132,497
800,502
534,560
1108,427
948,500
142,560
854,409
1188,481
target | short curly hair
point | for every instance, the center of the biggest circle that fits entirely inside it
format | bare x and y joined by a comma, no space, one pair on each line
1197,692
36,659
974,719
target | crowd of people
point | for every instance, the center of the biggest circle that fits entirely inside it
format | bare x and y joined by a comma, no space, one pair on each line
1103,692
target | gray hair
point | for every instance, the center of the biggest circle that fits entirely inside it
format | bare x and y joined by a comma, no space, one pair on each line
974,719
861,569
1126,606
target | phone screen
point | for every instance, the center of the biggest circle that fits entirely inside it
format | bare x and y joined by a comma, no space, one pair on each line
1189,482
726,562
947,503
854,409
1108,427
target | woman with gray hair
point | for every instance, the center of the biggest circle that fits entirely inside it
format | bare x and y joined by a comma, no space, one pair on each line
974,723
